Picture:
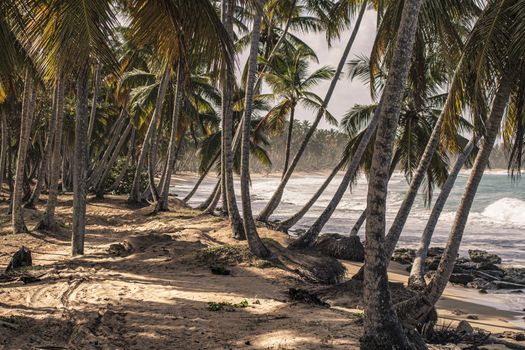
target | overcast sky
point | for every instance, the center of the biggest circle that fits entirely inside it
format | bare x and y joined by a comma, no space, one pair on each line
347,93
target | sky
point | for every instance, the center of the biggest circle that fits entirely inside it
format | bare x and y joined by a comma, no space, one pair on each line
347,93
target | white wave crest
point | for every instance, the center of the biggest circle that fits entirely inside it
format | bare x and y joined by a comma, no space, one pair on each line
506,211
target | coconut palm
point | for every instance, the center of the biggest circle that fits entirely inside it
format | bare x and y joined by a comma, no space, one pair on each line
382,327
417,273
287,75
495,28
276,197
28,108
254,242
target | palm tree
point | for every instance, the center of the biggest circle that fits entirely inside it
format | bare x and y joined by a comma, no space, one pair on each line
417,273
3,144
254,242
495,28
287,75
162,204
135,192
165,24
418,115
47,221
382,327
28,108
276,197
227,7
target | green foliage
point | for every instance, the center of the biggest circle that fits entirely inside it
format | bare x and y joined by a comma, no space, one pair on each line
262,264
226,306
228,254
32,268
125,185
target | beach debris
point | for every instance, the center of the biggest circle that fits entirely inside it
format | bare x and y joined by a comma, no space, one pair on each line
507,285
480,270
404,256
226,306
220,270
118,249
305,297
341,247
518,336
463,336
225,255
30,279
461,278
21,258
473,317
483,257
464,327
137,243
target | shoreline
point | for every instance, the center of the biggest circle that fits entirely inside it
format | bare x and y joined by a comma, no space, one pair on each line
161,294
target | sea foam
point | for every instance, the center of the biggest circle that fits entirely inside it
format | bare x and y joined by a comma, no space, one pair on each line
506,211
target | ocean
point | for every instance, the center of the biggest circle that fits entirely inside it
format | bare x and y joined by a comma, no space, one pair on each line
496,221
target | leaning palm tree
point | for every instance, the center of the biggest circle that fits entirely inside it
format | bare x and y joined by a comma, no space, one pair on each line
166,25
348,13
382,327
495,29
254,241
291,84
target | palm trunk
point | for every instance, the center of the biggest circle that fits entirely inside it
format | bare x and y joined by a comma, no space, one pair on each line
3,146
129,159
99,189
308,239
93,113
114,136
201,178
152,165
227,133
382,329
362,217
135,194
446,265
287,224
402,215
47,222
162,204
213,200
204,205
45,162
80,164
417,274
254,241
289,141
28,106
278,194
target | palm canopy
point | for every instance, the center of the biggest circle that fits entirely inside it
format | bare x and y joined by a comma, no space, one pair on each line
287,18
181,30
419,113
13,54
291,83
65,34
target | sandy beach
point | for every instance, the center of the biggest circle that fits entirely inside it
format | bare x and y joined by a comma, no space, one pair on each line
162,295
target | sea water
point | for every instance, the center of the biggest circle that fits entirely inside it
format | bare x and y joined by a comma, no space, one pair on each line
496,222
